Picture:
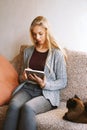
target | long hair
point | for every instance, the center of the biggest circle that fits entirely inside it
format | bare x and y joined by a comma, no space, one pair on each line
42,21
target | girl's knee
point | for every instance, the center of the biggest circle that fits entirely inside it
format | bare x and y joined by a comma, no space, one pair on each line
26,108
14,104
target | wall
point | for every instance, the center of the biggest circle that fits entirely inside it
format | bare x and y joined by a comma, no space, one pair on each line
68,19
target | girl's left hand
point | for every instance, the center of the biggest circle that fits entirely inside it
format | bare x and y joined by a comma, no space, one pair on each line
37,79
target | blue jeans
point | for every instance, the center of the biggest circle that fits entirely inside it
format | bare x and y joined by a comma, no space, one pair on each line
23,107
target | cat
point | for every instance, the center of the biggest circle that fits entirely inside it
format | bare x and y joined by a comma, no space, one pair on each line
77,110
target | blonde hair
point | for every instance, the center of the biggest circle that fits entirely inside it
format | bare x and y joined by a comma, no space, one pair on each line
42,21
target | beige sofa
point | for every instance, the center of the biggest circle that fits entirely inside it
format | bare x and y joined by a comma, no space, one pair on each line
77,84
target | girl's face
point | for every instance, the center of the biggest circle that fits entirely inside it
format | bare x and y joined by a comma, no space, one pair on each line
39,34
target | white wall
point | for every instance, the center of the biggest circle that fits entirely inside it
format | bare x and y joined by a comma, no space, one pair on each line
68,19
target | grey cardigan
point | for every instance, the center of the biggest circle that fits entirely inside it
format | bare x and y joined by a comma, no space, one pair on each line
55,71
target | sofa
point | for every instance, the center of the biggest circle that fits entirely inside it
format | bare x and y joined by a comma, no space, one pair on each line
76,63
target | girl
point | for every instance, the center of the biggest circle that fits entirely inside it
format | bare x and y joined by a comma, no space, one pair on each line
37,95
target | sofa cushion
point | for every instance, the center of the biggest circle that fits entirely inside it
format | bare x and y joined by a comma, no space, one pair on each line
53,120
77,75
3,110
8,80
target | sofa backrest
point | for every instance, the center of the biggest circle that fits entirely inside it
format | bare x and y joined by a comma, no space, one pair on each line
77,75
17,61
76,64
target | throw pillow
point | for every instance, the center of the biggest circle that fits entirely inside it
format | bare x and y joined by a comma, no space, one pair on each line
8,80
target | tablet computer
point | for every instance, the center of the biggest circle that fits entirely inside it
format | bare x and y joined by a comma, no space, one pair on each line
37,72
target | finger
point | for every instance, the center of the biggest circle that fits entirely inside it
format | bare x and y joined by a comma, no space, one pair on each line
24,73
31,76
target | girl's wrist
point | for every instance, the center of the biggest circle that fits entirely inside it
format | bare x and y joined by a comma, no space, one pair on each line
42,85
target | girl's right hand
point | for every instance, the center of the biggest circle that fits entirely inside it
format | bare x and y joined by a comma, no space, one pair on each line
24,76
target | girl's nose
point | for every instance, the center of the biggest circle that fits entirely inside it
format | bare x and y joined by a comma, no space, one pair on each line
37,37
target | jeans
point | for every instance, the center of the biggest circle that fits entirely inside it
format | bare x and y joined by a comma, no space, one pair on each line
24,106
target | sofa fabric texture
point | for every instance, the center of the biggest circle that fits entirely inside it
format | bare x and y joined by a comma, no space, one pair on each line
77,75
76,64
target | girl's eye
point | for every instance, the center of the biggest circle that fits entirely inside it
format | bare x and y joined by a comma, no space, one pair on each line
33,34
41,34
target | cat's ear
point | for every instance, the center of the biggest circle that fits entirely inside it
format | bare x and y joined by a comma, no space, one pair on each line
75,96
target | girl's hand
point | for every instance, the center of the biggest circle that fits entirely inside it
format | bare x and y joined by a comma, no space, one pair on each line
37,79
24,75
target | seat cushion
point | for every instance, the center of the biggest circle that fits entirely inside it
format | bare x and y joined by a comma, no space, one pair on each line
53,120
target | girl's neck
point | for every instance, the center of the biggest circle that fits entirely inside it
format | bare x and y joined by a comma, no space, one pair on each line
41,48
